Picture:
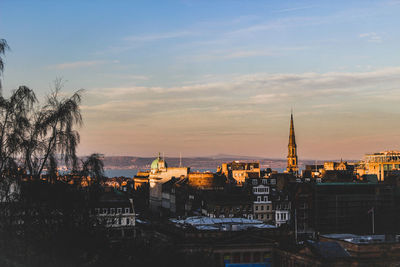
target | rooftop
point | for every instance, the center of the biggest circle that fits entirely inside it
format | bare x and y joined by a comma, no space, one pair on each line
365,239
221,224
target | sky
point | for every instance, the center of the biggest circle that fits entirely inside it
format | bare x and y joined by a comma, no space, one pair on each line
215,77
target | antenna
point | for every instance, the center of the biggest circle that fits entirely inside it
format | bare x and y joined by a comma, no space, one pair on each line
180,159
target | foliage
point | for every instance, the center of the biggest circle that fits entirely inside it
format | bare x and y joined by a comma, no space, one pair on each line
93,166
3,47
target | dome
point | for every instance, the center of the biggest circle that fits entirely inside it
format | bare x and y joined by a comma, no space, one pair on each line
154,164
158,163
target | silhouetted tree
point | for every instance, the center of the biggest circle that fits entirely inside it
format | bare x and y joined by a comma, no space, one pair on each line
93,166
52,131
3,47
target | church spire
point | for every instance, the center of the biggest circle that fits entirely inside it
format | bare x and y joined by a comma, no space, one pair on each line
292,139
292,149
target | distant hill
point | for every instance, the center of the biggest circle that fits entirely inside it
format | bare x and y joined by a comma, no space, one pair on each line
212,162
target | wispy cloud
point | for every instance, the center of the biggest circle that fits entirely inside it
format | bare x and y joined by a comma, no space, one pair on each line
77,64
294,9
157,36
371,37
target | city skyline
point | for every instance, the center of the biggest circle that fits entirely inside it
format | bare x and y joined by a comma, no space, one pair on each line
205,78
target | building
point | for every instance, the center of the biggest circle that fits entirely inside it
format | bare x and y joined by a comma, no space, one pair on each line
343,207
115,211
234,203
227,241
292,164
369,250
282,207
380,164
240,171
159,174
312,253
262,205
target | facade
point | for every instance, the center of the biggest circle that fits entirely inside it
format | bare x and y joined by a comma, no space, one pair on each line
369,250
292,164
282,208
116,212
159,174
380,163
262,205
217,204
343,207
312,253
227,241
240,171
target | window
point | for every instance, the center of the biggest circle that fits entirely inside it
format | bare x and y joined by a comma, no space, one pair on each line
258,199
128,221
268,207
254,182
96,211
104,211
256,207
112,210
264,181
126,210
262,216
119,210
262,207
265,198
268,216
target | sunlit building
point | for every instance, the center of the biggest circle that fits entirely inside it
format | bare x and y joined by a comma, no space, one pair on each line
240,171
380,164
159,174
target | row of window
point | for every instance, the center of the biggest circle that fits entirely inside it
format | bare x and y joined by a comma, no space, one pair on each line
261,190
261,207
261,216
282,216
262,198
112,211
120,221
264,181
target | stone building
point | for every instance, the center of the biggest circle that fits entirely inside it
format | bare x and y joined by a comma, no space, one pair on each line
380,164
262,205
159,174
240,171
115,211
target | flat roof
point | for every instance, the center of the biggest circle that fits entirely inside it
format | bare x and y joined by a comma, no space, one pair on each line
221,224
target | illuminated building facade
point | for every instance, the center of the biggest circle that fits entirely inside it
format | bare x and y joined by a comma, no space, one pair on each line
240,171
381,163
159,174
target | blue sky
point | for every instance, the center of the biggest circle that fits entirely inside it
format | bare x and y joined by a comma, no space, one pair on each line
209,77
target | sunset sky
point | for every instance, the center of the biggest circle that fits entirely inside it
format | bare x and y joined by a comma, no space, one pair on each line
216,77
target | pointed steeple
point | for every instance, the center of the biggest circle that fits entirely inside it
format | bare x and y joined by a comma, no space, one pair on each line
292,139
292,166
